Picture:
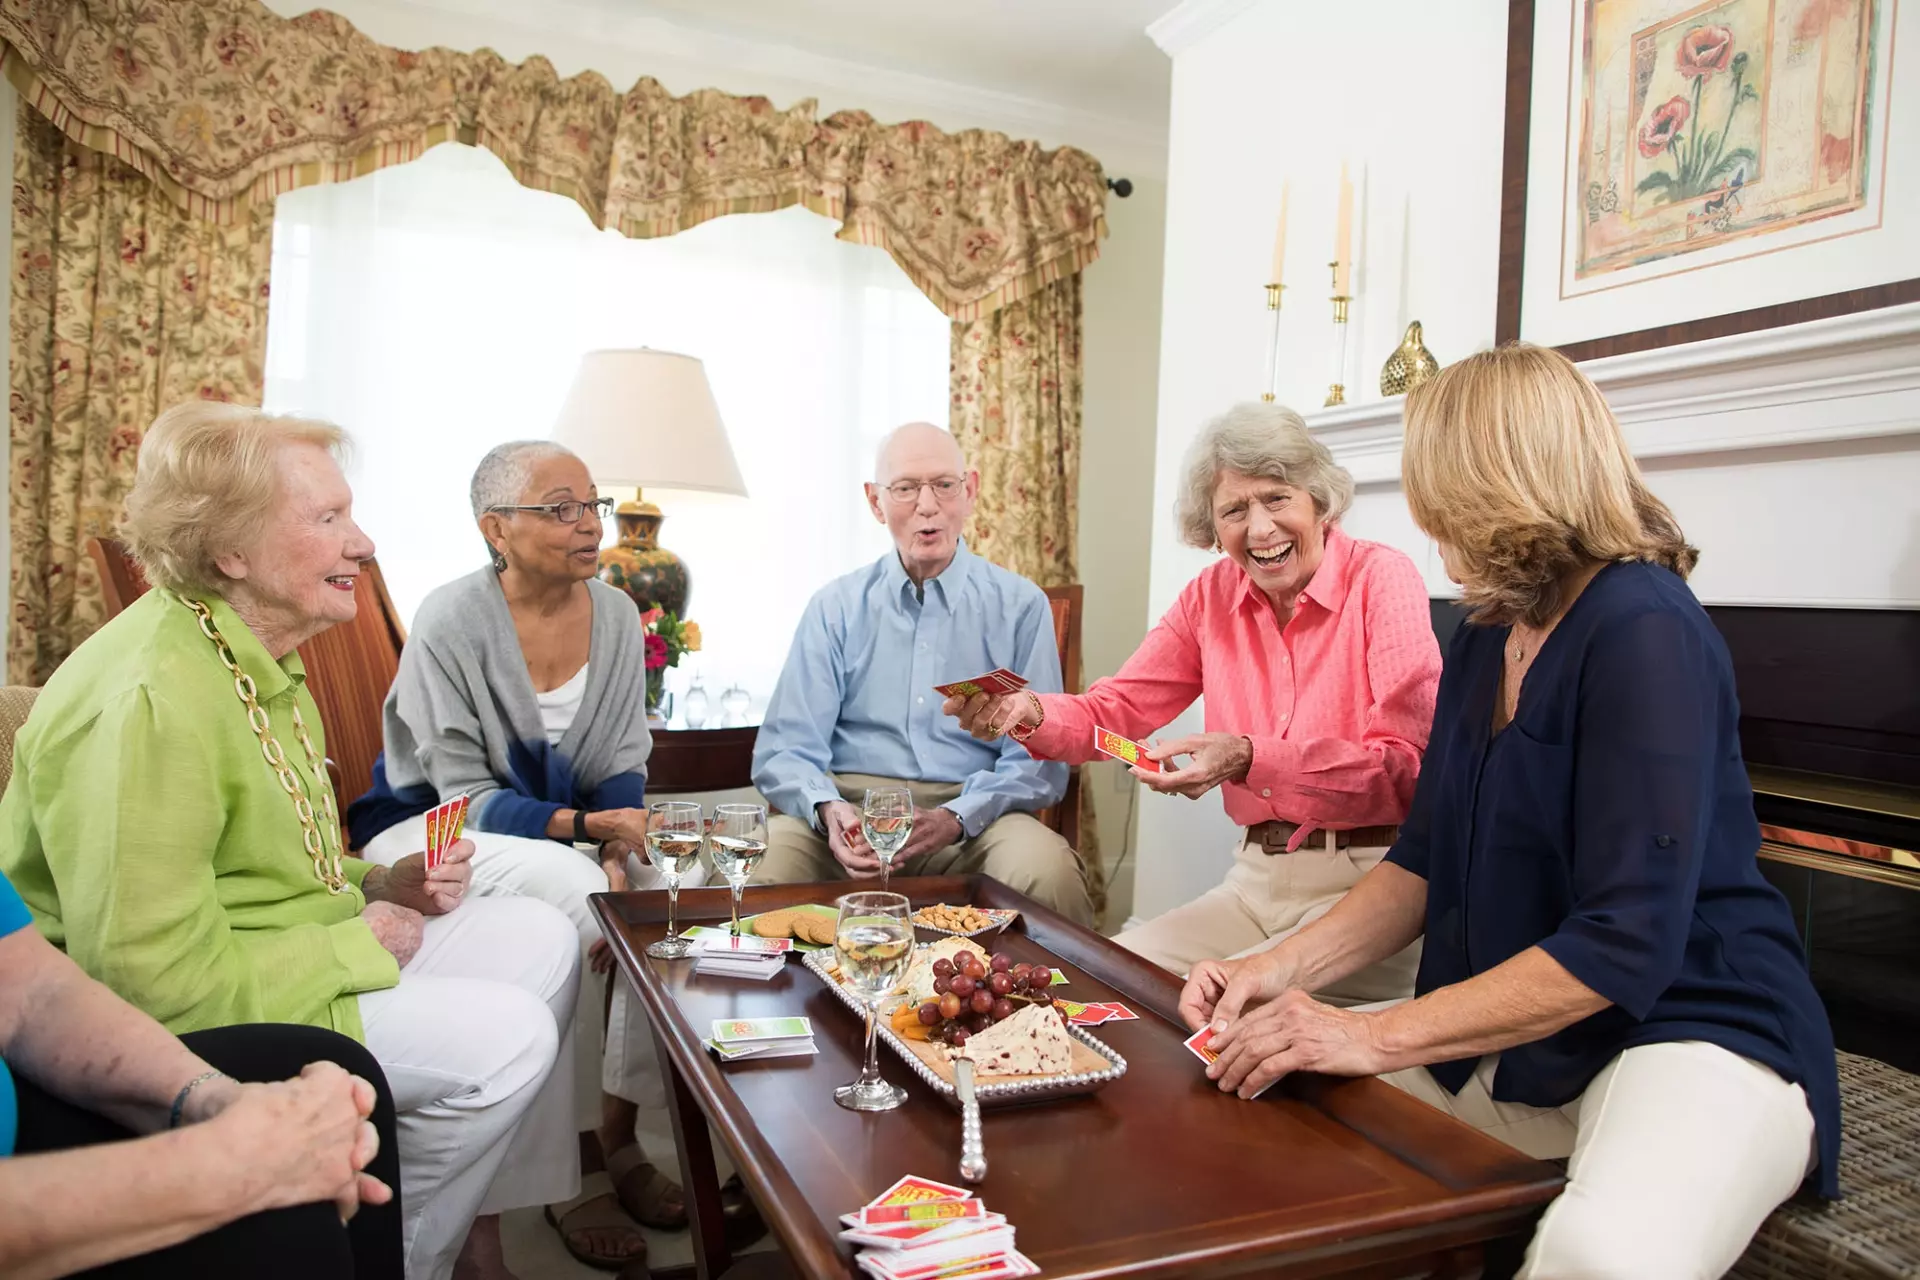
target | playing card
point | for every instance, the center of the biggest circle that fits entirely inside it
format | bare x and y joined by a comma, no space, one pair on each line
736,1030
909,1190
1109,743
445,821
1083,1015
720,942
883,1215
1119,1012
999,682
1199,1045
982,1257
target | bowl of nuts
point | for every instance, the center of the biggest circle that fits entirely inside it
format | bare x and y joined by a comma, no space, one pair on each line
963,922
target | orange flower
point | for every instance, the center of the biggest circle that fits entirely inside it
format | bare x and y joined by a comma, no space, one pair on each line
690,636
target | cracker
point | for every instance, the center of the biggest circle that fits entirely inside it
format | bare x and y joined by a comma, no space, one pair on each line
775,924
811,926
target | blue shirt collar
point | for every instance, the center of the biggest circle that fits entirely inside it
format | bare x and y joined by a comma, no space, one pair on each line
949,581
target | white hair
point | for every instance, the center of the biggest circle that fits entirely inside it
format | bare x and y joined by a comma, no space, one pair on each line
206,484
1257,439
501,478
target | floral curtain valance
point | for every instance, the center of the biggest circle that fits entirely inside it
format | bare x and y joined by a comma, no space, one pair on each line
223,103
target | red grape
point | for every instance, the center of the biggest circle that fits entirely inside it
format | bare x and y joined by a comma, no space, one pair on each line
1041,976
961,985
961,959
978,1022
940,986
959,1037
1043,996
950,1005
982,1001
1000,964
976,970
1000,983
929,1013
1022,969
1021,983
1002,1009
943,968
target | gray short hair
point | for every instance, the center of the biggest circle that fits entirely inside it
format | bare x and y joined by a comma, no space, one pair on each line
1257,439
501,477
207,482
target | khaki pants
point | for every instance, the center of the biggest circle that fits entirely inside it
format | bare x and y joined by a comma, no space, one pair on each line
1678,1153
1016,849
1265,899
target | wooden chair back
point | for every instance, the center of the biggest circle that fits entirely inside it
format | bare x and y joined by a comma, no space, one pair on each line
1068,604
349,667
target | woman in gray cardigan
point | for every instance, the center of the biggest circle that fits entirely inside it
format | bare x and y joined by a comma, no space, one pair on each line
523,687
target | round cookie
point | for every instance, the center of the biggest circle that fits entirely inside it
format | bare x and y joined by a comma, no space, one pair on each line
811,926
774,924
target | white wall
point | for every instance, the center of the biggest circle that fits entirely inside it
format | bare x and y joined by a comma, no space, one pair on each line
1807,500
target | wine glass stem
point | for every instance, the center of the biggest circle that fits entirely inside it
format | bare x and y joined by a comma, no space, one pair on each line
735,886
871,1072
886,873
673,906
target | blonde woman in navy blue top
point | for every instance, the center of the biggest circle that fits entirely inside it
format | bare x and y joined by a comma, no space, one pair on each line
1606,975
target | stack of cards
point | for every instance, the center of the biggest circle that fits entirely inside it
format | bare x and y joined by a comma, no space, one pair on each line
998,682
919,1229
724,955
1092,1015
1125,750
762,1038
445,822
1198,1045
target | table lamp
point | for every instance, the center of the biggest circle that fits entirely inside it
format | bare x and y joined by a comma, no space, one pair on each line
647,418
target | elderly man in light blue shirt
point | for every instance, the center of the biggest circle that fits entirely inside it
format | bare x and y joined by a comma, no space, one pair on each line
855,707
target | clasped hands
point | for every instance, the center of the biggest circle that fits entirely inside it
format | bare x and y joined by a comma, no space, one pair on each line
840,821
1216,757
1266,1027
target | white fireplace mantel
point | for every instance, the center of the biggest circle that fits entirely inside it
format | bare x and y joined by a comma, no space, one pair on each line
1852,377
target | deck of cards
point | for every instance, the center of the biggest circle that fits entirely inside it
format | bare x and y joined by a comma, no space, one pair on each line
445,822
726,955
919,1229
1198,1044
1092,1015
998,682
1126,750
735,1038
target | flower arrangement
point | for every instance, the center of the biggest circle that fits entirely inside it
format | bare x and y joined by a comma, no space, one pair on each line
1701,161
667,638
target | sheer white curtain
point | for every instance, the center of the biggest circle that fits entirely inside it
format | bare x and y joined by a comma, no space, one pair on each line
439,308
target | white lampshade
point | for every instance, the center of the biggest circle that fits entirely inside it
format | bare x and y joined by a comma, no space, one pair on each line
648,418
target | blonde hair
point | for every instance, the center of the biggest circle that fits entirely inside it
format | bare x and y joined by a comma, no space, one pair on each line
1257,439
1513,459
207,481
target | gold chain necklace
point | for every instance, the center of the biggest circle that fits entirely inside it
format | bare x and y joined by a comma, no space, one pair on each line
326,861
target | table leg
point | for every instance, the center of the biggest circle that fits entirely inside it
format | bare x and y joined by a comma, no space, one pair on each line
699,1179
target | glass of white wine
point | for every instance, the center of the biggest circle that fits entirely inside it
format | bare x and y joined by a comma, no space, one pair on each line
674,837
873,943
886,820
737,843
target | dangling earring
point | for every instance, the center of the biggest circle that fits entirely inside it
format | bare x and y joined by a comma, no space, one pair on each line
499,561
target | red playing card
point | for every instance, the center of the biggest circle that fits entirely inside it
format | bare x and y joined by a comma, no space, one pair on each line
1199,1045
998,683
1109,743
1116,1011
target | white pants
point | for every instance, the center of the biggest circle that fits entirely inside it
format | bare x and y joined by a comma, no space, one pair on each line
1678,1154
562,876
468,1041
1266,899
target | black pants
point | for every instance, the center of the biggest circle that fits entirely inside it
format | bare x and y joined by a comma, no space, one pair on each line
302,1243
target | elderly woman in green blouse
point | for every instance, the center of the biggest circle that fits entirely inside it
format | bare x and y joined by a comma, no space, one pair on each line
170,824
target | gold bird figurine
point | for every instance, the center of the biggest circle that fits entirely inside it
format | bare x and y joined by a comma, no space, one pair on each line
1410,364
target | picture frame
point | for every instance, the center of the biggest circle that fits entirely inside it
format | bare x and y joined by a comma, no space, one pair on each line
1664,179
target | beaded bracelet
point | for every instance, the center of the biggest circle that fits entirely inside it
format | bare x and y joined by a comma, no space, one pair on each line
180,1098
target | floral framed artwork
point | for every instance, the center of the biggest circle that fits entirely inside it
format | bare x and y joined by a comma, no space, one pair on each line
1683,169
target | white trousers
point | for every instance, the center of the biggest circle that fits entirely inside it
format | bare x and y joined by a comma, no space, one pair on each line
1266,899
1678,1152
561,876
468,1041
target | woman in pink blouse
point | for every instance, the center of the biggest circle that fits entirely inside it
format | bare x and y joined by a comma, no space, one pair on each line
1316,657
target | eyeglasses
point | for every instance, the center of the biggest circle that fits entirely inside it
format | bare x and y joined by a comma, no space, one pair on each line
945,489
568,512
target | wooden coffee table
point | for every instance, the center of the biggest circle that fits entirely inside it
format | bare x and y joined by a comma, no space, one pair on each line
1158,1174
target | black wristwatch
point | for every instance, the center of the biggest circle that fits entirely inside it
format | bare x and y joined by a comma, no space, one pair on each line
580,835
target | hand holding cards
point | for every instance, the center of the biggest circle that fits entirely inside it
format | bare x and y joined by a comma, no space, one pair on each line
1125,750
997,683
445,822
1200,1043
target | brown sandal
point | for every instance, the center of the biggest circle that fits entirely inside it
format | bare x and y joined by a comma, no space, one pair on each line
597,1209
650,1196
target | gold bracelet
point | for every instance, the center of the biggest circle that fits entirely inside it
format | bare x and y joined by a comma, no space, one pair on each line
1015,730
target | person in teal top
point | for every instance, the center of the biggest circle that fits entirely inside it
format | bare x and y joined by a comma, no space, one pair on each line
171,826
140,1149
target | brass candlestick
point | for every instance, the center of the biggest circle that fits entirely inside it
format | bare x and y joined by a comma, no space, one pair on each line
1337,393
1273,342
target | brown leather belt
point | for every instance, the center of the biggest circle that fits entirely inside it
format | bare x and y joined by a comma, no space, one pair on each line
1273,837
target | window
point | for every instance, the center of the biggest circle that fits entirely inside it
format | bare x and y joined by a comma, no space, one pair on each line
438,308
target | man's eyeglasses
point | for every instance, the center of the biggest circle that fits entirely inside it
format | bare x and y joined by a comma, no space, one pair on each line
569,512
945,489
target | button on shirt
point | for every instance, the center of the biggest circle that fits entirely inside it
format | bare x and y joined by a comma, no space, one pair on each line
1337,703
856,695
